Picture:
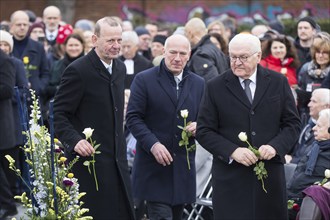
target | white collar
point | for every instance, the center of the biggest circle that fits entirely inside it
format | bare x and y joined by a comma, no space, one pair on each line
179,76
253,78
106,65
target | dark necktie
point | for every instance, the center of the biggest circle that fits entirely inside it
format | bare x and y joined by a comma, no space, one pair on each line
247,89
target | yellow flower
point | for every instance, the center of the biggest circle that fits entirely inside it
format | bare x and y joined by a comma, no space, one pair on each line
88,132
70,175
63,159
26,60
56,141
242,136
10,159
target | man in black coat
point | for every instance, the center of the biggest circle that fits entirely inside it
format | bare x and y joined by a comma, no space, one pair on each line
206,59
91,94
7,133
266,111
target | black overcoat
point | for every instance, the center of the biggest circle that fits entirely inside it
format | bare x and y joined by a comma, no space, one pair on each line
271,119
89,97
7,83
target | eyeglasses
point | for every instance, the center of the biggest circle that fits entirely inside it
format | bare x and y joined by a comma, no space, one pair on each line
241,58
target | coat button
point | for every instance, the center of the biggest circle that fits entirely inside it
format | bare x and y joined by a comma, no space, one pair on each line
253,133
174,154
176,136
252,112
116,109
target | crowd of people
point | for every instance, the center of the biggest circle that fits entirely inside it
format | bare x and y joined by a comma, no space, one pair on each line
157,98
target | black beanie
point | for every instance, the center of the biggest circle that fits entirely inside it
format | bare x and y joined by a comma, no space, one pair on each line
309,20
160,39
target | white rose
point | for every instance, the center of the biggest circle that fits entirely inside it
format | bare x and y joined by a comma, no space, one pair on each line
88,132
242,136
184,113
327,173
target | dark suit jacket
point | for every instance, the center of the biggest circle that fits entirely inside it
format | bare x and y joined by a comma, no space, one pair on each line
153,114
271,119
89,97
140,63
7,83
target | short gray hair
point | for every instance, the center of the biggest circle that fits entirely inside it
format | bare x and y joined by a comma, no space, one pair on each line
324,95
130,36
324,114
248,39
106,20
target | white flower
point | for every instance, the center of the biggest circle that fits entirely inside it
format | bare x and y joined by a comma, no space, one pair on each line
327,173
88,132
184,113
242,136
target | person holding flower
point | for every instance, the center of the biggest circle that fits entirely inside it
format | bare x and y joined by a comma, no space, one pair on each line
161,115
248,98
91,95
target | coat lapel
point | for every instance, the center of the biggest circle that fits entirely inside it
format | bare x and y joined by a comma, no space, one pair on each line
234,87
263,81
167,87
101,70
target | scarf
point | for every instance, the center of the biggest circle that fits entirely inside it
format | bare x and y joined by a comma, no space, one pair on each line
314,71
312,155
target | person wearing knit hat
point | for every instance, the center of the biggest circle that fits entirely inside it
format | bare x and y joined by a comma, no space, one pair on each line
63,32
157,45
37,31
6,42
144,41
306,29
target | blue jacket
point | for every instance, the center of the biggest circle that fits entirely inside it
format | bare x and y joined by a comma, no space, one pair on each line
153,114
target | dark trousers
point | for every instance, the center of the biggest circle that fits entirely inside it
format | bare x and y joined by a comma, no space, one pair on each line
8,180
161,211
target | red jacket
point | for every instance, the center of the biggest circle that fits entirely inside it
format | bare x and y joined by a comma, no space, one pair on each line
276,64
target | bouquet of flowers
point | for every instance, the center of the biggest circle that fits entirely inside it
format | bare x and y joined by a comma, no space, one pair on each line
54,192
185,135
259,169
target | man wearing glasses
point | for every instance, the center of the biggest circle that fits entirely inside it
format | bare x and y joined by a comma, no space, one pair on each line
248,98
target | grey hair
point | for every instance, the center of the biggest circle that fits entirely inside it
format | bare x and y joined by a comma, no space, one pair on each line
248,39
106,20
324,95
130,36
325,115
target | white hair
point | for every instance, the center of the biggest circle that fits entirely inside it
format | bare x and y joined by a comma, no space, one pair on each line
247,39
323,94
130,36
324,115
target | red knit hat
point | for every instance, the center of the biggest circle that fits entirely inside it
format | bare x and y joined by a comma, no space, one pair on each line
63,32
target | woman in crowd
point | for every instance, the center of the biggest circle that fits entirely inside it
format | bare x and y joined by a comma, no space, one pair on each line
219,41
73,49
313,73
280,55
217,27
